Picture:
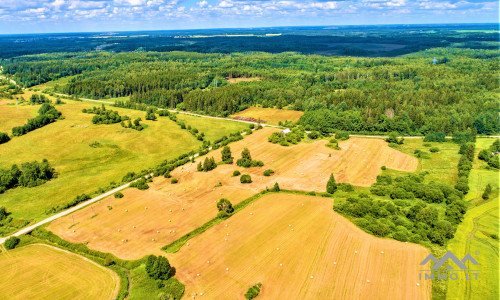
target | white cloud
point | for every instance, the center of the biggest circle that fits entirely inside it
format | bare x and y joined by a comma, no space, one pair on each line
202,3
226,4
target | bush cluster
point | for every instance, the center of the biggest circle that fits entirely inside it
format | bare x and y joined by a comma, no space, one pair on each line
4,137
208,165
294,137
136,125
268,172
104,116
439,137
141,184
246,160
488,156
245,178
30,174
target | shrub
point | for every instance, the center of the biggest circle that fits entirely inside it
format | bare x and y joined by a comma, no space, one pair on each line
342,135
345,187
434,149
108,261
4,138
11,242
435,137
236,173
174,180
253,291
393,139
245,178
140,184
268,172
313,135
118,195
383,168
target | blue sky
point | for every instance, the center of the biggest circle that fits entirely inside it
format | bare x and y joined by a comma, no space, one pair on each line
33,16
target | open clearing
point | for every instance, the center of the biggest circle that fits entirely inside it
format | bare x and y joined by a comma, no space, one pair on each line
213,128
82,168
243,79
270,115
298,252
305,167
44,272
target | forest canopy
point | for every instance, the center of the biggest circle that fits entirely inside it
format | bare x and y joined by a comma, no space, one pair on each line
437,90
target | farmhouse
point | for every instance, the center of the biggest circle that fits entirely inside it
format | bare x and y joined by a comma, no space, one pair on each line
284,132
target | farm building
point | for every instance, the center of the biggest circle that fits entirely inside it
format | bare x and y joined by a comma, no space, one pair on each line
284,132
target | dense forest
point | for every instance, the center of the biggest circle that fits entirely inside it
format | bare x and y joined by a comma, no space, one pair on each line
374,41
436,90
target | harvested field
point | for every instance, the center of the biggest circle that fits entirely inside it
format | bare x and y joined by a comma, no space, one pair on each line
243,79
263,243
45,272
270,115
305,166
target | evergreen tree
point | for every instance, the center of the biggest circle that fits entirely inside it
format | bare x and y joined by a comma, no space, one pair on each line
331,186
226,155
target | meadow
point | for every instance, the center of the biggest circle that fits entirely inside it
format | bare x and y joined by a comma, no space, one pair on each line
213,128
44,272
478,234
85,156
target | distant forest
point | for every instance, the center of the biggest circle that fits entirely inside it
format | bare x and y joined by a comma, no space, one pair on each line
368,41
436,90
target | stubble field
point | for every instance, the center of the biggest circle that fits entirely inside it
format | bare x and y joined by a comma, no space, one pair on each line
166,211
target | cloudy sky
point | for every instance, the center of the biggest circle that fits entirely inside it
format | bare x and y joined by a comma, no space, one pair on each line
29,16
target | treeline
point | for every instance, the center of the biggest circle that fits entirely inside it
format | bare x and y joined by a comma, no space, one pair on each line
410,95
30,174
46,115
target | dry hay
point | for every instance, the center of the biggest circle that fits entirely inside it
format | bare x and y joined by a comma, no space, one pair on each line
298,252
45,272
243,79
306,167
270,115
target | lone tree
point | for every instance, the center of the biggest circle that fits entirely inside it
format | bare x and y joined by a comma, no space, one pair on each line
331,186
486,194
226,155
276,188
246,154
225,206
158,267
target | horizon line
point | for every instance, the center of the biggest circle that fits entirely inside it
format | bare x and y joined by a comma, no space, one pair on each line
248,28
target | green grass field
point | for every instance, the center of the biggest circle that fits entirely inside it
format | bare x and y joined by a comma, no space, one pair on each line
213,128
82,168
479,233
143,287
442,165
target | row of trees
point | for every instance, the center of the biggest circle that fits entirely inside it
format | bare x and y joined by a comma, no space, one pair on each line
46,115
